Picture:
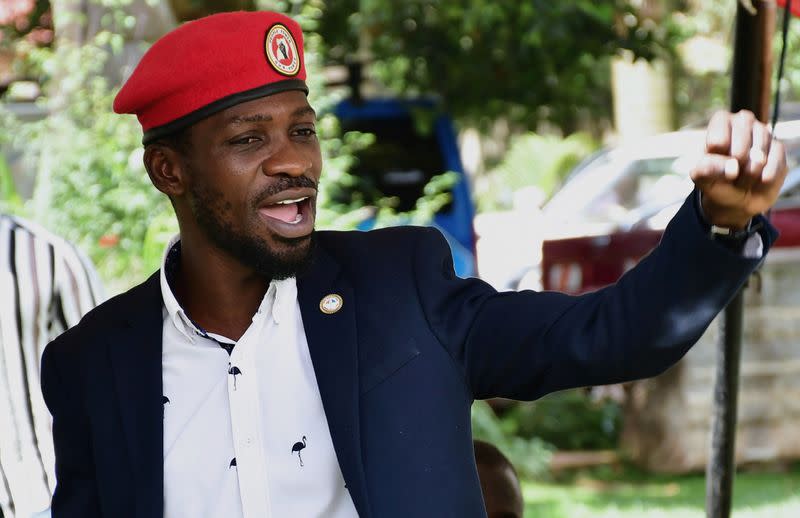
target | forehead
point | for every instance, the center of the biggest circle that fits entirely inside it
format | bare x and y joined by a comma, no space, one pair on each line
284,105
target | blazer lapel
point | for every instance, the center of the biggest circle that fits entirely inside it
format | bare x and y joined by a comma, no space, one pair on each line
136,363
332,343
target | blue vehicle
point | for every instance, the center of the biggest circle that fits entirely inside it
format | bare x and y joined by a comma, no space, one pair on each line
405,156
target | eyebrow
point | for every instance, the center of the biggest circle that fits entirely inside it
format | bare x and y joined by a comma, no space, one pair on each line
304,110
263,117
259,117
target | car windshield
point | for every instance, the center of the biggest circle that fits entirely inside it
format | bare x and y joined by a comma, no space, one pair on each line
643,183
627,178
629,184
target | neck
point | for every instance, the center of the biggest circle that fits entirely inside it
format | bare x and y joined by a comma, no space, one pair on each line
216,290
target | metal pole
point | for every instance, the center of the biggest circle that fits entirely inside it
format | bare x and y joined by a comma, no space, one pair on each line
721,466
752,71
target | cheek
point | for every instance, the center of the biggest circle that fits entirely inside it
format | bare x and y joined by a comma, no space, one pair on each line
215,199
219,189
316,161
231,193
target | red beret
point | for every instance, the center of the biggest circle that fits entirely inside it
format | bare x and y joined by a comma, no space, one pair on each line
211,64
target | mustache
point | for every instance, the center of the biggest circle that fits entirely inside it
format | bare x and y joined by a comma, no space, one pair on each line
284,183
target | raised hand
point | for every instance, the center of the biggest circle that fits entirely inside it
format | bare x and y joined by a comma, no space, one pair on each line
742,171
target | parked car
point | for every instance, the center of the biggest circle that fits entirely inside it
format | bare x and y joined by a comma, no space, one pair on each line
406,155
623,195
630,210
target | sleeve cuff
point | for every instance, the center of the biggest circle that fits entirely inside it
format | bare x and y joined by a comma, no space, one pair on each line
752,247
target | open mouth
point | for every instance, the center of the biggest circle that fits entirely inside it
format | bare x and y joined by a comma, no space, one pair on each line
289,211
290,217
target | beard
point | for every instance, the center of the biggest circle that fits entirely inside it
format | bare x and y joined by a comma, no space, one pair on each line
292,256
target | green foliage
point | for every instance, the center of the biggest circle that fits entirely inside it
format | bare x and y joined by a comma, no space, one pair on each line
532,160
529,61
530,456
10,201
699,92
790,86
569,420
91,186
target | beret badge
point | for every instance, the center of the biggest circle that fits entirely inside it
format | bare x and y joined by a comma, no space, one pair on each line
281,50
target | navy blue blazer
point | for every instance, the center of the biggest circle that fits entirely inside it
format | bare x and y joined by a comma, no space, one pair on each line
398,367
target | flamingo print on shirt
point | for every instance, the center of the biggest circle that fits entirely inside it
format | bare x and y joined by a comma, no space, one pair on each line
298,446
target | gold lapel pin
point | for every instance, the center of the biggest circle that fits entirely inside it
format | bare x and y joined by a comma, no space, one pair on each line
331,303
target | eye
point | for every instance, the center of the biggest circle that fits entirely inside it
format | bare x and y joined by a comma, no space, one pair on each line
306,132
245,140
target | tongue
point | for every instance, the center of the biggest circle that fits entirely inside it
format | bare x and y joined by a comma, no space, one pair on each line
287,213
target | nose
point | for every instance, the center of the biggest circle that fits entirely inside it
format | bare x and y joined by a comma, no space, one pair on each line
289,159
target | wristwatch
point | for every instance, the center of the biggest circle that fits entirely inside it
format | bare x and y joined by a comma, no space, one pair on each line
732,239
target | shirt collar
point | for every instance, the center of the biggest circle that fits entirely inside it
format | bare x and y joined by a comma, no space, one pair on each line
169,265
279,300
285,298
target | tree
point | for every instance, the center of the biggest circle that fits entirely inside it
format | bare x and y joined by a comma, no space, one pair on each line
529,61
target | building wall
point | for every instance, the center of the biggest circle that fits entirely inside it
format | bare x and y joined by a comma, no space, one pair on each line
668,418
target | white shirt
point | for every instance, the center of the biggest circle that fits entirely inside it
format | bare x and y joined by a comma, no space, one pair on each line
260,406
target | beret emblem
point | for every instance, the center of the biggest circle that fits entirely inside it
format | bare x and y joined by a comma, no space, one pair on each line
281,50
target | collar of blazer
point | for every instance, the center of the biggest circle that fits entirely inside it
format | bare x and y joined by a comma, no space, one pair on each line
332,342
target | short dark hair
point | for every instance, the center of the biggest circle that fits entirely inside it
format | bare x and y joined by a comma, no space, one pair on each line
180,141
499,478
488,455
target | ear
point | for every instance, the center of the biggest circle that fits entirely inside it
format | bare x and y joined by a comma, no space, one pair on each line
166,169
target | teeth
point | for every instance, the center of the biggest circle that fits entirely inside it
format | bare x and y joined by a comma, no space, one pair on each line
287,202
297,219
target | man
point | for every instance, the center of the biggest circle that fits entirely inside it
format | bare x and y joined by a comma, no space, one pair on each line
268,370
46,286
499,482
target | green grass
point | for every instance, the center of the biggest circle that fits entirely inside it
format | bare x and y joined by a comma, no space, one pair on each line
630,494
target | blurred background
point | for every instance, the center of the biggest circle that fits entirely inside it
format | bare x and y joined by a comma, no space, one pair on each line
549,141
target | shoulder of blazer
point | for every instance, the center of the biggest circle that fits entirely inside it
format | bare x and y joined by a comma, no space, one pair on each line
112,316
358,249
